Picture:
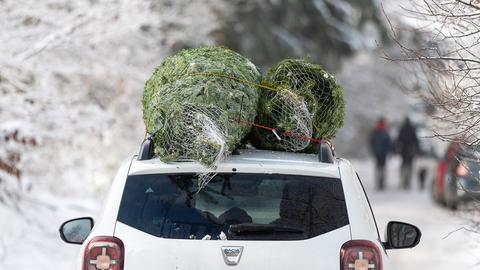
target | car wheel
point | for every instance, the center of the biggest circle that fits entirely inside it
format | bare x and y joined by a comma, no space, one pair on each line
435,194
452,205
451,197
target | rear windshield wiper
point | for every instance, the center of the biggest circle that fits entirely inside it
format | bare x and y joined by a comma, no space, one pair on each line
253,228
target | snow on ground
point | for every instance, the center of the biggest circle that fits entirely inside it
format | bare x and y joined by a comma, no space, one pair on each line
29,232
439,249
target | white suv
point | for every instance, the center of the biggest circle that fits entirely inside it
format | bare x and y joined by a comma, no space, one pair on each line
263,210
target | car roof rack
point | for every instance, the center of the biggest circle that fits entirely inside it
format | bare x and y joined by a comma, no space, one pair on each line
326,151
146,149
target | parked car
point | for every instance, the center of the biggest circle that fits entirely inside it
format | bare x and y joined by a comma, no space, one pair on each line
263,209
438,181
457,176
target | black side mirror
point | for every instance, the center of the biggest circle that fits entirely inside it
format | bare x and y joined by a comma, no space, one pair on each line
75,231
401,235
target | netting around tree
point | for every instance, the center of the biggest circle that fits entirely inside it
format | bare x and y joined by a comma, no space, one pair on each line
301,101
288,115
191,100
200,104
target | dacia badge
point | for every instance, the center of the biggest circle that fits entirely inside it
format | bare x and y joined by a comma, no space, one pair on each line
231,254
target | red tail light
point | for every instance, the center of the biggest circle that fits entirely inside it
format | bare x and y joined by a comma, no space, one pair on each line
461,170
360,255
104,253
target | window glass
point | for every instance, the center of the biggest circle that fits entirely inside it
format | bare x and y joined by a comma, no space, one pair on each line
242,206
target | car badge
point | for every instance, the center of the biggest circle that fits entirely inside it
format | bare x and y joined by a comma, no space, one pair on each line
231,255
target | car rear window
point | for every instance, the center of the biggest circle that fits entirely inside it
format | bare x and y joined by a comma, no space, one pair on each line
233,206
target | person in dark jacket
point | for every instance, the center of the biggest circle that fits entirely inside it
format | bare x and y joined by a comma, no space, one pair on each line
407,147
380,145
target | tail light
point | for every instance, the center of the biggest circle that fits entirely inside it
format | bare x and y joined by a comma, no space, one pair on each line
360,255
104,253
461,170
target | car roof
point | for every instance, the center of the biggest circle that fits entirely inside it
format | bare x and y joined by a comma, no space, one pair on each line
247,161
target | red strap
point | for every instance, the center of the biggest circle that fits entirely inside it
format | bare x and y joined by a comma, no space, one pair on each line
286,133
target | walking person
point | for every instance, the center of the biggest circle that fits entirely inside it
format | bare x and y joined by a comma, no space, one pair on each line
407,146
380,145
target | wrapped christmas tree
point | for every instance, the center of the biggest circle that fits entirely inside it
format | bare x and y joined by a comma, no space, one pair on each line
193,101
300,100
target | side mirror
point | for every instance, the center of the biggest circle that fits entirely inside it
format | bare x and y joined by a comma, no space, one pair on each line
75,231
401,235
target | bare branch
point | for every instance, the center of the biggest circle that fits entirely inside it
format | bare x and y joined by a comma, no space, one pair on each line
449,61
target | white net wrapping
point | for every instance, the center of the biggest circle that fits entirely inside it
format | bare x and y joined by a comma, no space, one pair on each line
191,101
201,104
304,104
198,131
290,119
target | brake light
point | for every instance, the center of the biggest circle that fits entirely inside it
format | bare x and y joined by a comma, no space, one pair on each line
461,170
104,253
360,255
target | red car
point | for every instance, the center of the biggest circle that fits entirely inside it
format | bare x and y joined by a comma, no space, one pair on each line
457,176
438,183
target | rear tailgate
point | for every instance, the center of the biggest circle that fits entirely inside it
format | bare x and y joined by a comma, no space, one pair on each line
277,221
144,251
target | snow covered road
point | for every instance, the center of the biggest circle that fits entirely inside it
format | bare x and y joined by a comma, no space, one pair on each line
439,249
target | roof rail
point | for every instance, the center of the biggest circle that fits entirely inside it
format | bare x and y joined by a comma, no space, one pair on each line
146,149
326,152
